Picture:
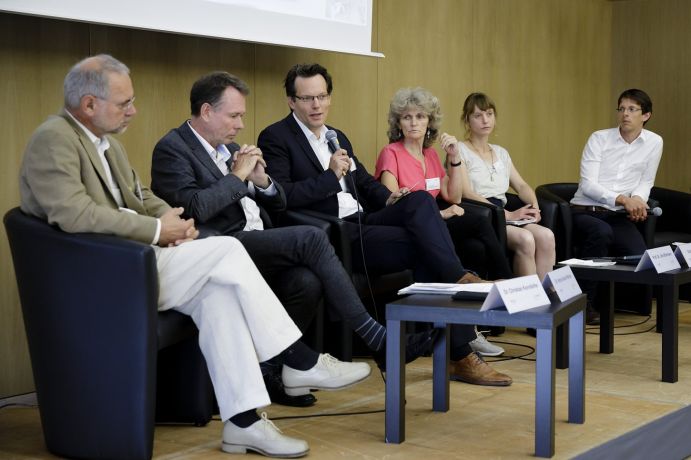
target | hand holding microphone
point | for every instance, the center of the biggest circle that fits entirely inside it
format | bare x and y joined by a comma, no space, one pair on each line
656,211
636,209
340,161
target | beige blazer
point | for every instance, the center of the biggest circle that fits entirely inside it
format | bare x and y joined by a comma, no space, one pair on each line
63,181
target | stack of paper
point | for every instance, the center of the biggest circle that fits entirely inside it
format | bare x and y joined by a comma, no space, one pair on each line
444,288
589,263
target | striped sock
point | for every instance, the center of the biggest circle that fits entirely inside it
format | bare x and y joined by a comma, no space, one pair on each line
373,333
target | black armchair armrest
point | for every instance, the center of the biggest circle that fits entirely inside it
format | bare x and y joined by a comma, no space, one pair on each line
497,216
677,209
562,225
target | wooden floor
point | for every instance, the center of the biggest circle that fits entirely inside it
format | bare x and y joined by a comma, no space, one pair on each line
623,392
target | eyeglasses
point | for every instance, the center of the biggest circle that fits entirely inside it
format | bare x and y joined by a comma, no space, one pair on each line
127,104
628,109
308,99
124,106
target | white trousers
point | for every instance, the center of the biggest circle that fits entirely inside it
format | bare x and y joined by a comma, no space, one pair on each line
240,320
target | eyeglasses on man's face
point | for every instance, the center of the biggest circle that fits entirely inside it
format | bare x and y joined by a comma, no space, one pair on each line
124,106
630,109
309,99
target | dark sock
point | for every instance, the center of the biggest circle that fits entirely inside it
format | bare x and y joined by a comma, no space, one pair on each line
245,419
373,333
299,356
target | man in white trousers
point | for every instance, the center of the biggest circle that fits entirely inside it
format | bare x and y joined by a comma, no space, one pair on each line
75,175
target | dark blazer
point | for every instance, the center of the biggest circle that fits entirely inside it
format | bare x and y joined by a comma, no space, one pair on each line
292,162
183,174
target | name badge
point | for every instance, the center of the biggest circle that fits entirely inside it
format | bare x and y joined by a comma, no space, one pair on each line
432,183
516,294
683,253
563,282
662,259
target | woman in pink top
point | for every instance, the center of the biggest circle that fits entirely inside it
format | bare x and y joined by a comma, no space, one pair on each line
409,161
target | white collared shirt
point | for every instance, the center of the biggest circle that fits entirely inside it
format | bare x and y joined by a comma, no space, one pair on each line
347,205
610,166
220,155
101,146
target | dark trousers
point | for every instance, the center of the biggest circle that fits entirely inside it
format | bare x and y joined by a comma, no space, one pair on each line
476,235
300,265
411,234
600,234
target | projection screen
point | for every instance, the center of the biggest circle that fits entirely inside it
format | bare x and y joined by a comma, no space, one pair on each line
332,25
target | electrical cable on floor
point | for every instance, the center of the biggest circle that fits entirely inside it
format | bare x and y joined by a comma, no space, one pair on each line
18,405
505,357
595,330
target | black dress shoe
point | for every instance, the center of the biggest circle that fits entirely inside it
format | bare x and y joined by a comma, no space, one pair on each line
274,386
418,344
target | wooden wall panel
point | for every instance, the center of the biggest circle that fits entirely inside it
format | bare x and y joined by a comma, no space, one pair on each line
651,50
545,64
35,55
163,68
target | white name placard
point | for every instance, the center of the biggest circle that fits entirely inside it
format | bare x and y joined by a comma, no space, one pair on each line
517,294
683,253
662,259
563,282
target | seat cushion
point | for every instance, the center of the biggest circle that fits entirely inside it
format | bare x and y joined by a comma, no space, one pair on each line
174,327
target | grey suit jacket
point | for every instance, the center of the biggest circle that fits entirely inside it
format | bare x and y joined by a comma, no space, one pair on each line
183,173
62,180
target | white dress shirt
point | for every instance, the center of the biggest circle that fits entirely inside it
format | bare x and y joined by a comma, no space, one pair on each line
347,205
220,155
610,166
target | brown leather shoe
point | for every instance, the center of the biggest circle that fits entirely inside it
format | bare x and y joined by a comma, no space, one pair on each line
472,369
471,277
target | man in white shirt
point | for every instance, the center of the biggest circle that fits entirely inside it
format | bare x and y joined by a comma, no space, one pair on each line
618,170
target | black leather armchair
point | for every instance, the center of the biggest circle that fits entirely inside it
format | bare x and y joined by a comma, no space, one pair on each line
561,194
106,363
674,225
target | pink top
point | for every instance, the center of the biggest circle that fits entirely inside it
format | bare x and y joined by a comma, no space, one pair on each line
395,159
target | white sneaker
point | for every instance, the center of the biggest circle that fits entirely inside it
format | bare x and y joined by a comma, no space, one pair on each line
484,347
263,437
328,374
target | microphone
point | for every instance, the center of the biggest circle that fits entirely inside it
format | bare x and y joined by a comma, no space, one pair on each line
332,141
656,211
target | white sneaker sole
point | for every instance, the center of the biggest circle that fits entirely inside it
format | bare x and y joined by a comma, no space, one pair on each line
242,449
488,353
482,353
